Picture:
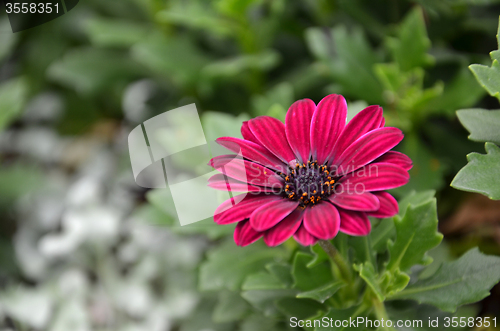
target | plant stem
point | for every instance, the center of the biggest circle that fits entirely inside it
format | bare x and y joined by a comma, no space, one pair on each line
381,313
336,258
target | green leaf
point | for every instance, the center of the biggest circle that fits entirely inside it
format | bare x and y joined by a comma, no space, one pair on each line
309,278
352,65
197,15
176,58
235,8
277,111
318,43
415,198
406,91
7,38
456,283
353,108
324,292
362,249
261,323
300,308
394,281
216,125
166,215
207,227
489,77
463,91
162,199
481,174
92,70
410,48
483,125
153,215
440,254
427,172
262,281
232,67
281,271
339,315
416,233
12,98
264,300
451,154
382,233
281,94
368,274
228,265
230,307
201,318
319,256
115,33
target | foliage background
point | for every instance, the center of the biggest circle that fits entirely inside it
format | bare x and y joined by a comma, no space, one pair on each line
82,247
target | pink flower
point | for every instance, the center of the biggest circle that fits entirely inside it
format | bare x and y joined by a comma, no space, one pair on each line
312,176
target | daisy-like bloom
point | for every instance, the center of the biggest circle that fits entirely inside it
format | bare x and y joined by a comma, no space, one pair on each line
311,177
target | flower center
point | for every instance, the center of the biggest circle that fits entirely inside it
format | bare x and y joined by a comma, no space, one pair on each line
309,183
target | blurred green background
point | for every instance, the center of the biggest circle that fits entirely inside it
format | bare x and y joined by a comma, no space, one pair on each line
82,247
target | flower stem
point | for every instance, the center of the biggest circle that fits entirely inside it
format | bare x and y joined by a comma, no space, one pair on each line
336,258
381,314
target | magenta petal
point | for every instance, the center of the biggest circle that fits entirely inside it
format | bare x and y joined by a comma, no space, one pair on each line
270,214
246,171
382,123
271,134
231,210
322,220
303,237
373,177
388,205
297,127
244,234
396,158
365,121
354,223
327,123
224,183
252,151
282,231
365,201
247,133
366,149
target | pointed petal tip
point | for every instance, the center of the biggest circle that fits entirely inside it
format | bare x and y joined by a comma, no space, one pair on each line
303,237
284,230
245,235
322,220
354,223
